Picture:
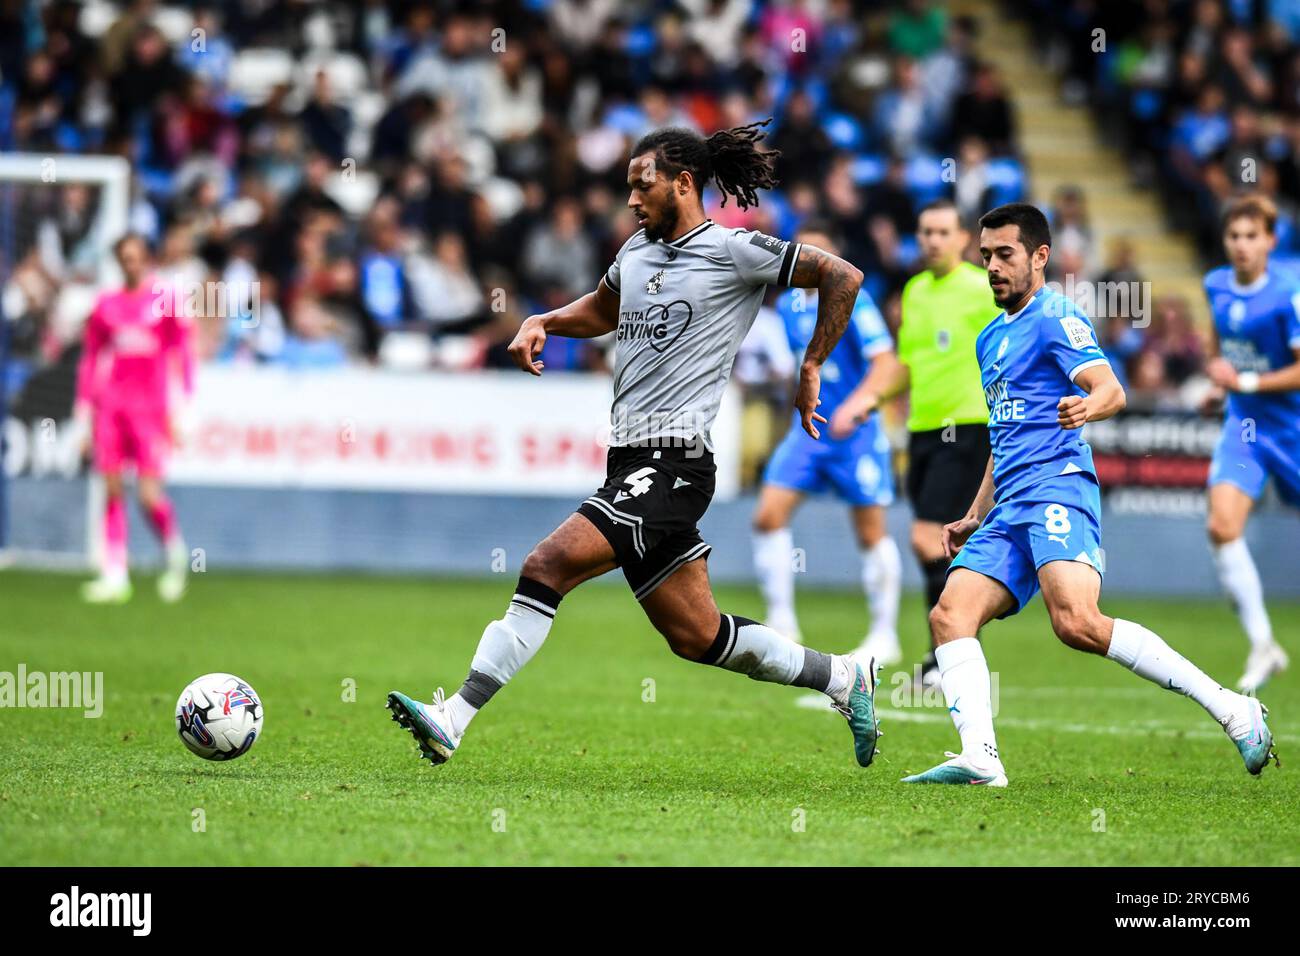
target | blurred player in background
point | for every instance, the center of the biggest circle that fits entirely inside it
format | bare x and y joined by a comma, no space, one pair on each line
136,357
680,296
944,308
1036,522
1256,339
853,462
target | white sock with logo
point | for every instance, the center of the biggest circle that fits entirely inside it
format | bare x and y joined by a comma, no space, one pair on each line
506,646
773,556
1147,655
964,676
1240,578
882,580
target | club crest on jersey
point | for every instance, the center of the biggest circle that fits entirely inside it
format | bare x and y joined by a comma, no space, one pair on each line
655,283
1002,350
942,340
1236,313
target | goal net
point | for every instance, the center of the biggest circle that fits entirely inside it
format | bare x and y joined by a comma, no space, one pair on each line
59,217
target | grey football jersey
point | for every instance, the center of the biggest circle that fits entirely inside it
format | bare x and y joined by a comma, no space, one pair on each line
684,307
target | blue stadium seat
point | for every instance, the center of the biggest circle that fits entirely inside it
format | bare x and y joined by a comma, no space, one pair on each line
1006,179
869,168
627,118
157,183
924,178
784,219
68,138
845,131
7,95
815,87
641,41
1146,103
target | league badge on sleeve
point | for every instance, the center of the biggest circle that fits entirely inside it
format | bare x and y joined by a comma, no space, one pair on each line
1078,332
770,243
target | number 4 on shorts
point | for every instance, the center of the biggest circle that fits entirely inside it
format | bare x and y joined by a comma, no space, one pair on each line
639,482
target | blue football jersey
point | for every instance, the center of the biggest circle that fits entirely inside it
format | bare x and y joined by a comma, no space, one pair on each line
865,337
1259,330
1028,362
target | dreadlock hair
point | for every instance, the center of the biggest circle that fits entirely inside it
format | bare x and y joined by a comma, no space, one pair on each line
730,157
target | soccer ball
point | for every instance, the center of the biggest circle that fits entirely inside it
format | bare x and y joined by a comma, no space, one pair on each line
219,716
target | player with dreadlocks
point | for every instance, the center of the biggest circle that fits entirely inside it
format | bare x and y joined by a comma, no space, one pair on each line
680,296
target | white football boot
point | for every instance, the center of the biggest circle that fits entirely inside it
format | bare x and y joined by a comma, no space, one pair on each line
107,589
882,646
960,769
1263,663
171,583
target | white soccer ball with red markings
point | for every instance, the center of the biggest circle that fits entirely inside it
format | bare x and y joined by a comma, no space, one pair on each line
219,717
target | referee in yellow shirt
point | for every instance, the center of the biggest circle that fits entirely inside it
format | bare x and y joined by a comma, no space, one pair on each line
944,308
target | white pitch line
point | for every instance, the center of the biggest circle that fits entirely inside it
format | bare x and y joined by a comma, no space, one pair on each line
885,681
1074,691
1144,728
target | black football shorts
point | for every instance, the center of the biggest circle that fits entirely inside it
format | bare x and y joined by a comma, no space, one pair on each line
648,509
943,477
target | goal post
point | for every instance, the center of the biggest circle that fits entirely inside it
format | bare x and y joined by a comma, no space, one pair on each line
59,217
112,174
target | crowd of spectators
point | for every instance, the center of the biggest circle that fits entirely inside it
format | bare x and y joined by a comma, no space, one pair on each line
406,181
1203,98
1203,95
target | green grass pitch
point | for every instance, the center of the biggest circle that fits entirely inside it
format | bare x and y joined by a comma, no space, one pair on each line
572,764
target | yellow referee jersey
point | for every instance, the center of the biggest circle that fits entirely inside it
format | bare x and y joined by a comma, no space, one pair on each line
936,341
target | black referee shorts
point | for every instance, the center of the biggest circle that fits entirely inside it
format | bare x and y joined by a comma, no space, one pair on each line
943,477
648,509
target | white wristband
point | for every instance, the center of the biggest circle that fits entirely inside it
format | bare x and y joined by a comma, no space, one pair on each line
1248,382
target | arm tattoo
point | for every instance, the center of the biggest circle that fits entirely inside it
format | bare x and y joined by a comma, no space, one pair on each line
837,285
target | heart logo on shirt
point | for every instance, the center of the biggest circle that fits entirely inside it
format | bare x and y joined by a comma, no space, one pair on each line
668,314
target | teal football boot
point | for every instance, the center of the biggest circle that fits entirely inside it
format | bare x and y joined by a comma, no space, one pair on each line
1248,729
860,710
429,724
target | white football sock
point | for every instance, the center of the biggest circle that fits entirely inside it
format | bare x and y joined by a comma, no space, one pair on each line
882,580
510,643
773,554
461,711
964,675
178,555
843,670
1147,655
115,574
762,653
505,647
1239,577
